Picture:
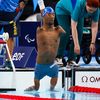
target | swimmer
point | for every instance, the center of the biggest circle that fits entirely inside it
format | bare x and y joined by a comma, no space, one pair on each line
48,38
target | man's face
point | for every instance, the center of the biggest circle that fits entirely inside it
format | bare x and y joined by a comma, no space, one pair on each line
49,18
90,9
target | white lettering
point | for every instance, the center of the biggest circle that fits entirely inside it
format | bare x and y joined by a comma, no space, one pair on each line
18,56
91,79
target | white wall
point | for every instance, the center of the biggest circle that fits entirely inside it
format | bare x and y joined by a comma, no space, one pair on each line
23,79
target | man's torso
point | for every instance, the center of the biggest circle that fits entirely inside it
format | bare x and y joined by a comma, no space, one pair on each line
47,43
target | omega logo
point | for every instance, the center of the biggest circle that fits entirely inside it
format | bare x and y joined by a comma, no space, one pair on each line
90,79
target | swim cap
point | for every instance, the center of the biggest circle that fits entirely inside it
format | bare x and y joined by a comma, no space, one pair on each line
47,10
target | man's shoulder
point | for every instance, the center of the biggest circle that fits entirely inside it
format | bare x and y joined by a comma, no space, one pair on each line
57,27
39,28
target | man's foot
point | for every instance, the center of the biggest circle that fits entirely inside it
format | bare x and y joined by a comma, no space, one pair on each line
72,63
58,61
31,88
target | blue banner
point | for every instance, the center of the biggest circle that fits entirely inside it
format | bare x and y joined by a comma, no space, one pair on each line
24,57
28,33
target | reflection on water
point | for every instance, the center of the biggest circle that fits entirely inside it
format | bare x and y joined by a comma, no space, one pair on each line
61,94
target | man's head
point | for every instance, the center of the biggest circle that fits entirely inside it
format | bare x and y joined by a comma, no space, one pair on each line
92,5
48,15
47,10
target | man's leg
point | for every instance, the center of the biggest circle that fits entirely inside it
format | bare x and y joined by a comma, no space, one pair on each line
53,73
10,44
64,22
71,54
39,74
53,83
12,30
35,86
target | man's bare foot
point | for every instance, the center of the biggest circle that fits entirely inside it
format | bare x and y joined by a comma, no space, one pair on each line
31,88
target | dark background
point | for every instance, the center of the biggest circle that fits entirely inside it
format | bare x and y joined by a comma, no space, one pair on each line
28,10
